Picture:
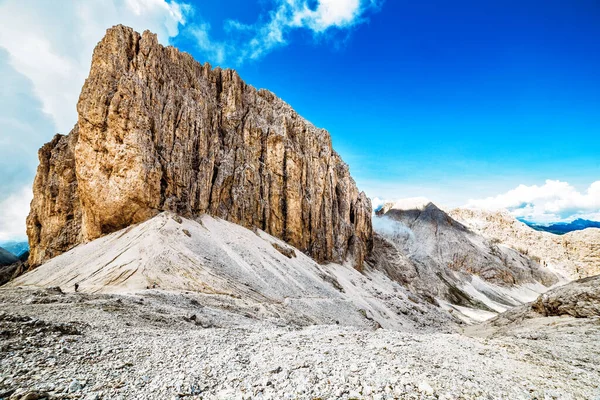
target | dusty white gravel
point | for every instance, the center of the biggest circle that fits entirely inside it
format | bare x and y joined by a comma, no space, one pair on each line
164,346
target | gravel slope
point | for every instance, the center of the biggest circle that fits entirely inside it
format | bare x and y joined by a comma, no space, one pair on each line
152,347
236,267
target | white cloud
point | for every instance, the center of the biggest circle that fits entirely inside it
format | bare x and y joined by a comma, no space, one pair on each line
553,201
23,128
391,228
409,203
13,212
45,54
328,13
214,51
272,30
56,56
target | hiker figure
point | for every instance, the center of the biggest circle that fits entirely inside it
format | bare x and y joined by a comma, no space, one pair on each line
76,286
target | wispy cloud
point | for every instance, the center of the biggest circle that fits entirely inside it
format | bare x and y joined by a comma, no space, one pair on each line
273,29
55,57
13,212
551,202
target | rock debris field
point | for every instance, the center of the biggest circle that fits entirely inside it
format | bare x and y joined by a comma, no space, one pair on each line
176,345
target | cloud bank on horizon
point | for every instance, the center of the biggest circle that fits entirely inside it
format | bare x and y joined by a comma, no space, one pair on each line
554,201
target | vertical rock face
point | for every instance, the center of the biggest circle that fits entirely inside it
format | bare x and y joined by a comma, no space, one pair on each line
159,131
54,221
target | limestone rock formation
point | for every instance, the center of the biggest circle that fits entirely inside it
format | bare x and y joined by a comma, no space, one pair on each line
54,221
574,255
159,131
578,299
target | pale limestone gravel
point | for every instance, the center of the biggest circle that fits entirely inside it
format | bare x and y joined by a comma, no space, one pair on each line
145,349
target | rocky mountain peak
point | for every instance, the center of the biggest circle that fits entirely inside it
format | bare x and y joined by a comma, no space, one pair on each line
158,131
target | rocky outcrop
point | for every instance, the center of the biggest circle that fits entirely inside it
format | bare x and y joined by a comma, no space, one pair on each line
574,255
54,221
159,131
578,299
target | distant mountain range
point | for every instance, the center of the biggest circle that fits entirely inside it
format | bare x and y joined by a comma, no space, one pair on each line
560,228
7,258
16,248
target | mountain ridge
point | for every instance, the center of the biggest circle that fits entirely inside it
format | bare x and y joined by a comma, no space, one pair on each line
7,258
561,228
464,272
574,255
18,248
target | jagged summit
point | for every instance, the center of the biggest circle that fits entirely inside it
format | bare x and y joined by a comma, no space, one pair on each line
158,131
411,203
428,213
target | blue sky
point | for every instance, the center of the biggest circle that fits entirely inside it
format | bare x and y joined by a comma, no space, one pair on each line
462,102
446,94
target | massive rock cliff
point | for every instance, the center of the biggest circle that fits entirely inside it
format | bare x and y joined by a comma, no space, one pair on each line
159,131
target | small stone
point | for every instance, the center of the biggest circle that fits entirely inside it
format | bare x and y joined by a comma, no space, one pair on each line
425,387
75,386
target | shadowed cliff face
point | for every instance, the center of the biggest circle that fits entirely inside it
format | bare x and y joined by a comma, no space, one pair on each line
159,131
